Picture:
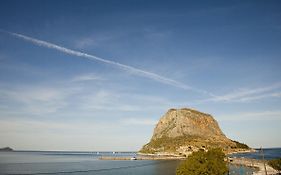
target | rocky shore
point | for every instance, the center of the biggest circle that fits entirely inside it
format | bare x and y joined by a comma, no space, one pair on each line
254,163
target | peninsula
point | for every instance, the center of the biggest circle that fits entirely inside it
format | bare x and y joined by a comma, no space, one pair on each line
6,149
182,131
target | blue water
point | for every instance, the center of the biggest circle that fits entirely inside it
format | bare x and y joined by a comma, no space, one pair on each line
86,163
269,153
80,163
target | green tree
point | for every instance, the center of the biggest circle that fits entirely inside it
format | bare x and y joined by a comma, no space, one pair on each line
204,163
276,164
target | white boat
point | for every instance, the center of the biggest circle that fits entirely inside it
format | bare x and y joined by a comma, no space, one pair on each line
133,158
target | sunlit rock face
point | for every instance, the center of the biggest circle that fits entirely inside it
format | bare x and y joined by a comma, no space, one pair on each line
182,131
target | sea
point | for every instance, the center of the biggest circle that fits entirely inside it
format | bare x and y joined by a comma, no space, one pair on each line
267,153
88,163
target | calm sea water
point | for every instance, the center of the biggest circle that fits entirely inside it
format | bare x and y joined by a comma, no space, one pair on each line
80,163
269,153
86,163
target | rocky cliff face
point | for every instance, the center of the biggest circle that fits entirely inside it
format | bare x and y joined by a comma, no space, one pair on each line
182,131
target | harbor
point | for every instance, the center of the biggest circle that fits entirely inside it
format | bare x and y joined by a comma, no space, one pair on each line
261,167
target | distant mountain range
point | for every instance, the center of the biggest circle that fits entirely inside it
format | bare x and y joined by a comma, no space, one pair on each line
183,131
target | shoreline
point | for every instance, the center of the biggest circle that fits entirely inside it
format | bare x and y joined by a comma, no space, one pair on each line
247,162
241,151
166,155
147,157
254,163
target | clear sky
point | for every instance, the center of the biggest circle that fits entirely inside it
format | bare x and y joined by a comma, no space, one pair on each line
98,75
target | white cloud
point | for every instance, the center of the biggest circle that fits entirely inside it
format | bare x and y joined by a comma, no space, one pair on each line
110,100
263,113
252,116
258,97
129,69
87,77
36,100
244,95
71,98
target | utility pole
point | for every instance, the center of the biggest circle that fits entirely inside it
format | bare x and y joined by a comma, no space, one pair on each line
262,154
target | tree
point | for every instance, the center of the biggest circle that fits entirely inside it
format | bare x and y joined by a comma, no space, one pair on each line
276,164
204,163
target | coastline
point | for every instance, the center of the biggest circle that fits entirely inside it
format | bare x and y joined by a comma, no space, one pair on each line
142,156
241,151
254,163
247,162
166,155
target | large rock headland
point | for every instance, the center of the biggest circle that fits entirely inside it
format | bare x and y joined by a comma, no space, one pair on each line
183,131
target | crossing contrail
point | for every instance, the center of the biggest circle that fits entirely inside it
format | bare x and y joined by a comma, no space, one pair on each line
130,69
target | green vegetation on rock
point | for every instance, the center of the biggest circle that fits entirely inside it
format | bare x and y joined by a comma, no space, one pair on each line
240,145
200,163
166,144
276,164
191,143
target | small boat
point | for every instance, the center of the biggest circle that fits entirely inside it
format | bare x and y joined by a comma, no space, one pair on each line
133,158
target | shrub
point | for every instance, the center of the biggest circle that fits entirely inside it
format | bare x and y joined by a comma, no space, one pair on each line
276,164
241,145
204,163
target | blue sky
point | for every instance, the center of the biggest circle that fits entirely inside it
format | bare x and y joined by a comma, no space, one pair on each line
98,75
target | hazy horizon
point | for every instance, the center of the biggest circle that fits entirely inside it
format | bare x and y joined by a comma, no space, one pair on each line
101,151
97,75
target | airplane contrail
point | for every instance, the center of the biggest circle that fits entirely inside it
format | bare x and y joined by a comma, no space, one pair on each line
130,69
